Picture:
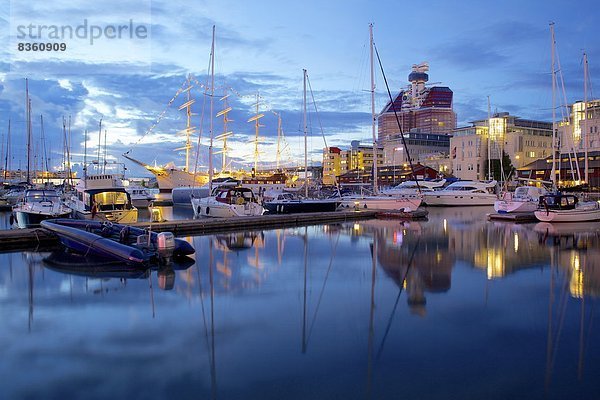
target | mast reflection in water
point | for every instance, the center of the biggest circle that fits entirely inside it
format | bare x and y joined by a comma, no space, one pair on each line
452,307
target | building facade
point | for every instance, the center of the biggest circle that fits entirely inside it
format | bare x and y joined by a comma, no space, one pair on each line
358,159
472,148
419,108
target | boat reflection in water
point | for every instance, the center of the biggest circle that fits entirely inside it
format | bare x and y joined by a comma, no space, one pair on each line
391,306
66,262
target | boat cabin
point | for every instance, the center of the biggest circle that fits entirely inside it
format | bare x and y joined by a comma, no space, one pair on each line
237,195
106,199
39,196
558,201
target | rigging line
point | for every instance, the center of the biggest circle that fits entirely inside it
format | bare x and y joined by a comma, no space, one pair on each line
312,95
161,116
201,128
202,307
389,325
397,119
562,310
312,324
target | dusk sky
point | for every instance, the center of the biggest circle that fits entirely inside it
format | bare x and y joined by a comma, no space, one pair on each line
477,48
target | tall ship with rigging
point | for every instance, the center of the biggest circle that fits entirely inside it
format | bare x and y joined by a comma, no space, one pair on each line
169,176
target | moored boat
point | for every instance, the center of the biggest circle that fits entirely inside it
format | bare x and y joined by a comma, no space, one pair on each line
381,202
117,242
414,188
285,203
38,205
103,197
464,193
227,202
524,199
140,196
566,208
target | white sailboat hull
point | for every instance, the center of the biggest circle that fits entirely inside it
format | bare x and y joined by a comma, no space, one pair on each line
381,203
514,206
459,199
582,213
209,207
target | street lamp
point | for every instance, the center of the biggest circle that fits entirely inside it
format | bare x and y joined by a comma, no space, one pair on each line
394,161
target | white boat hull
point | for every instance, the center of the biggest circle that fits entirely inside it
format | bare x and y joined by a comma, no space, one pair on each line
209,207
31,219
455,199
582,213
380,203
514,206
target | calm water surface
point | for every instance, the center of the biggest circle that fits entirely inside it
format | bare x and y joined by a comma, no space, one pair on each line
455,307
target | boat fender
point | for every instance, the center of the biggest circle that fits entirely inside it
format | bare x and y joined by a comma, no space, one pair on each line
12,219
207,210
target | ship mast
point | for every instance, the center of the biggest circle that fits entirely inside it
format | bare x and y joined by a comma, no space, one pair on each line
188,126
256,119
223,136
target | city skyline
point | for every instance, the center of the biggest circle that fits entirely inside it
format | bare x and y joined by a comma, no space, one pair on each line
263,47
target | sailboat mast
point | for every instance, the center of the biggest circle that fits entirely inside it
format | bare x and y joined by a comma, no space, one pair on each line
256,128
7,165
103,161
277,155
373,117
99,142
305,139
212,92
28,110
489,143
188,126
584,125
45,165
553,171
85,139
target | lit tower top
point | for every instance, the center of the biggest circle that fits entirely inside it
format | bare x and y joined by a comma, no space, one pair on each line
417,78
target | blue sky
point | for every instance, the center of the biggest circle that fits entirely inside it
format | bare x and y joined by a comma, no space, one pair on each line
477,48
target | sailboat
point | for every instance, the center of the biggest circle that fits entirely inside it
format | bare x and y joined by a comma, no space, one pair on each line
524,199
559,207
379,201
285,203
224,201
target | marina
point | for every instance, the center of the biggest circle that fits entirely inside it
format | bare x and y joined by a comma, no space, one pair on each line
356,309
183,217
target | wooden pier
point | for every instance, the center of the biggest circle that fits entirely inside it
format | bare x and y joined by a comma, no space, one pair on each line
39,238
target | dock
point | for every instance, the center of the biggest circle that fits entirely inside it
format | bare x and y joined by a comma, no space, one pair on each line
519,218
39,238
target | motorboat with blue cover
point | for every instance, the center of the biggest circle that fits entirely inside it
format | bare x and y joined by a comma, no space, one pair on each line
118,242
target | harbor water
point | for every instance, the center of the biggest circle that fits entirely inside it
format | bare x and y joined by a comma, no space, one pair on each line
455,307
